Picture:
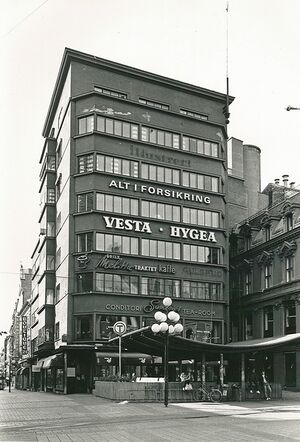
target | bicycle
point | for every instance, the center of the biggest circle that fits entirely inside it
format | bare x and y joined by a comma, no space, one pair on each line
212,395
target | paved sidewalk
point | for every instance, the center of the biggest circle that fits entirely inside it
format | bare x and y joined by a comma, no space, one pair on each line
38,416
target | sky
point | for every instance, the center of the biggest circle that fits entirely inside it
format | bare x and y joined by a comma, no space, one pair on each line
180,39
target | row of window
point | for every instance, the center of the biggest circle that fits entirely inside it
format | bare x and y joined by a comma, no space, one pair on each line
193,114
151,103
148,247
49,164
134,285
167,175
268,321
155,104
148,209
266,275
98,327
110,92
47,196
147,134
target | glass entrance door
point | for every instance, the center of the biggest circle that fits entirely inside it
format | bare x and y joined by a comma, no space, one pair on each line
290,369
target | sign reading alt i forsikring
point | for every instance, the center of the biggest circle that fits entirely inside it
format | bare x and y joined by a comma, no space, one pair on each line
164,192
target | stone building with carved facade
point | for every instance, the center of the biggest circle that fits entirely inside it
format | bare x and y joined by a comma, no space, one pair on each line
265,283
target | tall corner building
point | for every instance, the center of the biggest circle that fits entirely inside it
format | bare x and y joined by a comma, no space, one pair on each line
133,182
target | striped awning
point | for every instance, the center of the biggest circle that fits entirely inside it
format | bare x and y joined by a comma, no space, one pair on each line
56,360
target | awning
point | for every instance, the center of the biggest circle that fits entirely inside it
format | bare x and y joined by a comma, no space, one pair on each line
51,361
133,358
143,340
54,361
40,362
257,344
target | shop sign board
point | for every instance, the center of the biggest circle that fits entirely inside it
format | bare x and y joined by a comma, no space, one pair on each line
24,335
71,372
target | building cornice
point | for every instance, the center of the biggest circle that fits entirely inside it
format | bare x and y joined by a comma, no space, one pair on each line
268,246
70,55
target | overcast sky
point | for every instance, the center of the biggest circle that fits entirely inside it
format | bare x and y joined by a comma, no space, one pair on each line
181,39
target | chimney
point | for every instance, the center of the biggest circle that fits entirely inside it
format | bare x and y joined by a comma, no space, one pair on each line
277,181
285,179
292,184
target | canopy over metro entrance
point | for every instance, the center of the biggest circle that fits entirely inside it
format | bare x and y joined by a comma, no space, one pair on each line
144,341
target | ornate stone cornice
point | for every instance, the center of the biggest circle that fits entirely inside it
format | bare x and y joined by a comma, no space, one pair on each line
245,230
265,258
286,249
266,220
246,264
287,209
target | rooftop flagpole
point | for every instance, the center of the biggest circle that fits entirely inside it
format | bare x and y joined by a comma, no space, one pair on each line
227,114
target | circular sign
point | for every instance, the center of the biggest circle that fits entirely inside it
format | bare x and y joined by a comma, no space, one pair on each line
119,328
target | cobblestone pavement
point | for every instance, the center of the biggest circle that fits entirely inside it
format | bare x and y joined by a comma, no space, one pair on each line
31,416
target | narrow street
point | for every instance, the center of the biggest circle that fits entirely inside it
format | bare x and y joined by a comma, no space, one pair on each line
28,416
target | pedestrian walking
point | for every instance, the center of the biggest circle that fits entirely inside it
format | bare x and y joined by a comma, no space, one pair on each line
266,387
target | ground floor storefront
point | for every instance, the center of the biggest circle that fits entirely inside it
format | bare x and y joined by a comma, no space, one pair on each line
77,368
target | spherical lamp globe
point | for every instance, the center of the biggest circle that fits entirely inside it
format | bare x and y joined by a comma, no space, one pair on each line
164,327
171,330
173,316
160,317
155,328
167,302
178,328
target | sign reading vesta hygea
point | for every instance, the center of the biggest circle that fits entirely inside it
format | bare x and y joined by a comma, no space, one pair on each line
127,224
155,190
112,222
185,232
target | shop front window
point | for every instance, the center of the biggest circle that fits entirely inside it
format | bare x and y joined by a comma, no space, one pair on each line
105,323
59,379
204,331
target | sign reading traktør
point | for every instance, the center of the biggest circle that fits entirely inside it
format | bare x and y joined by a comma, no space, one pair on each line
119,328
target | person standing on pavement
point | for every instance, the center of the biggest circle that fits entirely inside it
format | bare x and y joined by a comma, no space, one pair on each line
266,388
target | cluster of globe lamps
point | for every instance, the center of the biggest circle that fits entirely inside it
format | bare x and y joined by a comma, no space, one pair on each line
167,322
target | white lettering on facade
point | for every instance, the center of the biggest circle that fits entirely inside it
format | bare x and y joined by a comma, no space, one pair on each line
154,304
153,190
119,184
127,224
185,232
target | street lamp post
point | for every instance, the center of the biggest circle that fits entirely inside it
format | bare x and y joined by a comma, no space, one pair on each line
9,374
167,324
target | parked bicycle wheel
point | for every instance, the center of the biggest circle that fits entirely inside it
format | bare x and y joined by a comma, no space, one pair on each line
215,396
197,395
